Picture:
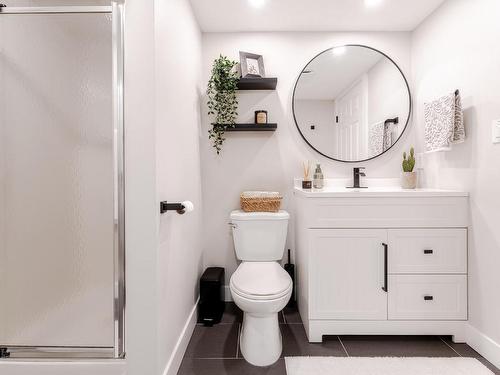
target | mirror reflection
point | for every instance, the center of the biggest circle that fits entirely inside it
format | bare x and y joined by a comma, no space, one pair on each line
351,103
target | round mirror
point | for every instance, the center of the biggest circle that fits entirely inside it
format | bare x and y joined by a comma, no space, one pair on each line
351,103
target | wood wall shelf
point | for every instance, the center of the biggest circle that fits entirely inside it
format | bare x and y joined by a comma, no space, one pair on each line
257,83
252,127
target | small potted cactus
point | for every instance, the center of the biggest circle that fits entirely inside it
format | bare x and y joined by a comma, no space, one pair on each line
409,177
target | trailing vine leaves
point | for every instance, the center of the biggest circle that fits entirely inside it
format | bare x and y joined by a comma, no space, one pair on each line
222,101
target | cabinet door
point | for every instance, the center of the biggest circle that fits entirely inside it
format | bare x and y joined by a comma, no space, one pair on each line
346,271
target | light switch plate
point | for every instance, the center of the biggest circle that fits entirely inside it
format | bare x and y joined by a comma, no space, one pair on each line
495,131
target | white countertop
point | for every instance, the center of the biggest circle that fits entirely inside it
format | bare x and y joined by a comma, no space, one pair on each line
385,188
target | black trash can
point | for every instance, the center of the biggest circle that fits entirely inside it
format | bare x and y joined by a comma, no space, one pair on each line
211,306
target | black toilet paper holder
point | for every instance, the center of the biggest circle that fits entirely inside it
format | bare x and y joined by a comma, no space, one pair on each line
165,206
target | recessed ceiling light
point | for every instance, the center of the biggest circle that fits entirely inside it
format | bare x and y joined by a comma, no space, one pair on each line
337,51
257,3
373,3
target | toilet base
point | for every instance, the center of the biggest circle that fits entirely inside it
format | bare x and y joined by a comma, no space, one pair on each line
260,339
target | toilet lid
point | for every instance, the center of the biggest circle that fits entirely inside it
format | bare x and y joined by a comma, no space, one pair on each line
261,279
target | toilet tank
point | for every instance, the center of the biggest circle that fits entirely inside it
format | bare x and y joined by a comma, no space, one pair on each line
259,236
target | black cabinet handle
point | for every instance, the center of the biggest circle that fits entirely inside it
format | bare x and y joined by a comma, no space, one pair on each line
428,251
428,298
385,288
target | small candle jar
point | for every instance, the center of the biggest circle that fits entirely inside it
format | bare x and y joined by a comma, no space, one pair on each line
306,184
261,117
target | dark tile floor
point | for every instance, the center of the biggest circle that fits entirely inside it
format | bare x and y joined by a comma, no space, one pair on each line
215,351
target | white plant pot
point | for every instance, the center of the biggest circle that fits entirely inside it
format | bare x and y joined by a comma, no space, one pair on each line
409,180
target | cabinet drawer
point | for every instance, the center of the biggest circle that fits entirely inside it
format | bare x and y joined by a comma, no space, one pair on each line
427,297
427,251
383,212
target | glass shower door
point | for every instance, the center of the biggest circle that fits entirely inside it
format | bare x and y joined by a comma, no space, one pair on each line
57,181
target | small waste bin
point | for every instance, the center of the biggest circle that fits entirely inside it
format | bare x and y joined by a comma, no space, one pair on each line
211,306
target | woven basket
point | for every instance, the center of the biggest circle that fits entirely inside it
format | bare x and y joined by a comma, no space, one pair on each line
260,202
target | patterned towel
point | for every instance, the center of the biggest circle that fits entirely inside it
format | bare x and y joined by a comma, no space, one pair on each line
380,138
444,123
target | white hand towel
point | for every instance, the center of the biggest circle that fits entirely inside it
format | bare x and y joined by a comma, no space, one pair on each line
444,124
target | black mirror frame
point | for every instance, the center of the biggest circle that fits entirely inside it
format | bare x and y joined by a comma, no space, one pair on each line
409,103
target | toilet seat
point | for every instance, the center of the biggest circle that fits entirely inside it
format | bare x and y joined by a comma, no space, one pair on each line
260,281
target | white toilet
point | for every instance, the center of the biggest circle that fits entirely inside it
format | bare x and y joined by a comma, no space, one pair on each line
260,286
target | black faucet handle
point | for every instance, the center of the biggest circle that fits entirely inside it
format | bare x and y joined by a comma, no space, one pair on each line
357,171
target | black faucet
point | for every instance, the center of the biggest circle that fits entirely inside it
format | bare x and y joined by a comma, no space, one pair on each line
355,178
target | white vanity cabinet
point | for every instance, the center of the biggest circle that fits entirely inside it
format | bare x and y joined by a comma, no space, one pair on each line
382,262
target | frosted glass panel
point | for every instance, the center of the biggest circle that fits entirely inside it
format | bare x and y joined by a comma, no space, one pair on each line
56,180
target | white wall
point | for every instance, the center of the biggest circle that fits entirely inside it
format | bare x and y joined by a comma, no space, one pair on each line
164,261
141,207
178,71
270,161
457,47
387,95
321,114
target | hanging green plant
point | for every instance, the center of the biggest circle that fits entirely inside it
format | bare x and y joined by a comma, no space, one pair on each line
222,101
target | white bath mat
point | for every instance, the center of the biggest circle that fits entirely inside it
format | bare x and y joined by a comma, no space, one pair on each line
384,366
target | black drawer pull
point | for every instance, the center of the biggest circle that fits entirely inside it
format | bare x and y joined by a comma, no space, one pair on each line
428,251
428,298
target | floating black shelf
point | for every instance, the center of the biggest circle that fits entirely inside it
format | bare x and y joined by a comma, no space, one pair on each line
257,83
251,127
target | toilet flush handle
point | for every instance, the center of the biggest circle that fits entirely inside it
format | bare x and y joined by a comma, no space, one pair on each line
232,225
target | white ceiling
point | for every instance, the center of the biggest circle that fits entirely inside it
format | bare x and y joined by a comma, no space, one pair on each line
311,15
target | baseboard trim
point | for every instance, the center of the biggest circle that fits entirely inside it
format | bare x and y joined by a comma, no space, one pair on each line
484,345
227,294
175,360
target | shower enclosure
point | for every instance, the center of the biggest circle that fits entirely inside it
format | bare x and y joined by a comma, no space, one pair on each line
62,292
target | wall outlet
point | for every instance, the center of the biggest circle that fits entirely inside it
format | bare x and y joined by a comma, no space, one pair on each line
495,131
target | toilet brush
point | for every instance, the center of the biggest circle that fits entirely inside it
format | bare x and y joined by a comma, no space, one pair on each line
290,269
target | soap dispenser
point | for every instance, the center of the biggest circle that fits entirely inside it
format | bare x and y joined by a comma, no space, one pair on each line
318,180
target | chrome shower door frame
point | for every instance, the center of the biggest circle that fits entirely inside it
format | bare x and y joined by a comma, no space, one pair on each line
64,9
119,172
118,351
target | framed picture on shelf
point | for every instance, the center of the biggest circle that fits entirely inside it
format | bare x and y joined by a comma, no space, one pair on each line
252,65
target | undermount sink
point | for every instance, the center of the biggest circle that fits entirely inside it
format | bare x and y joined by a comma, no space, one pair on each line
375,187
